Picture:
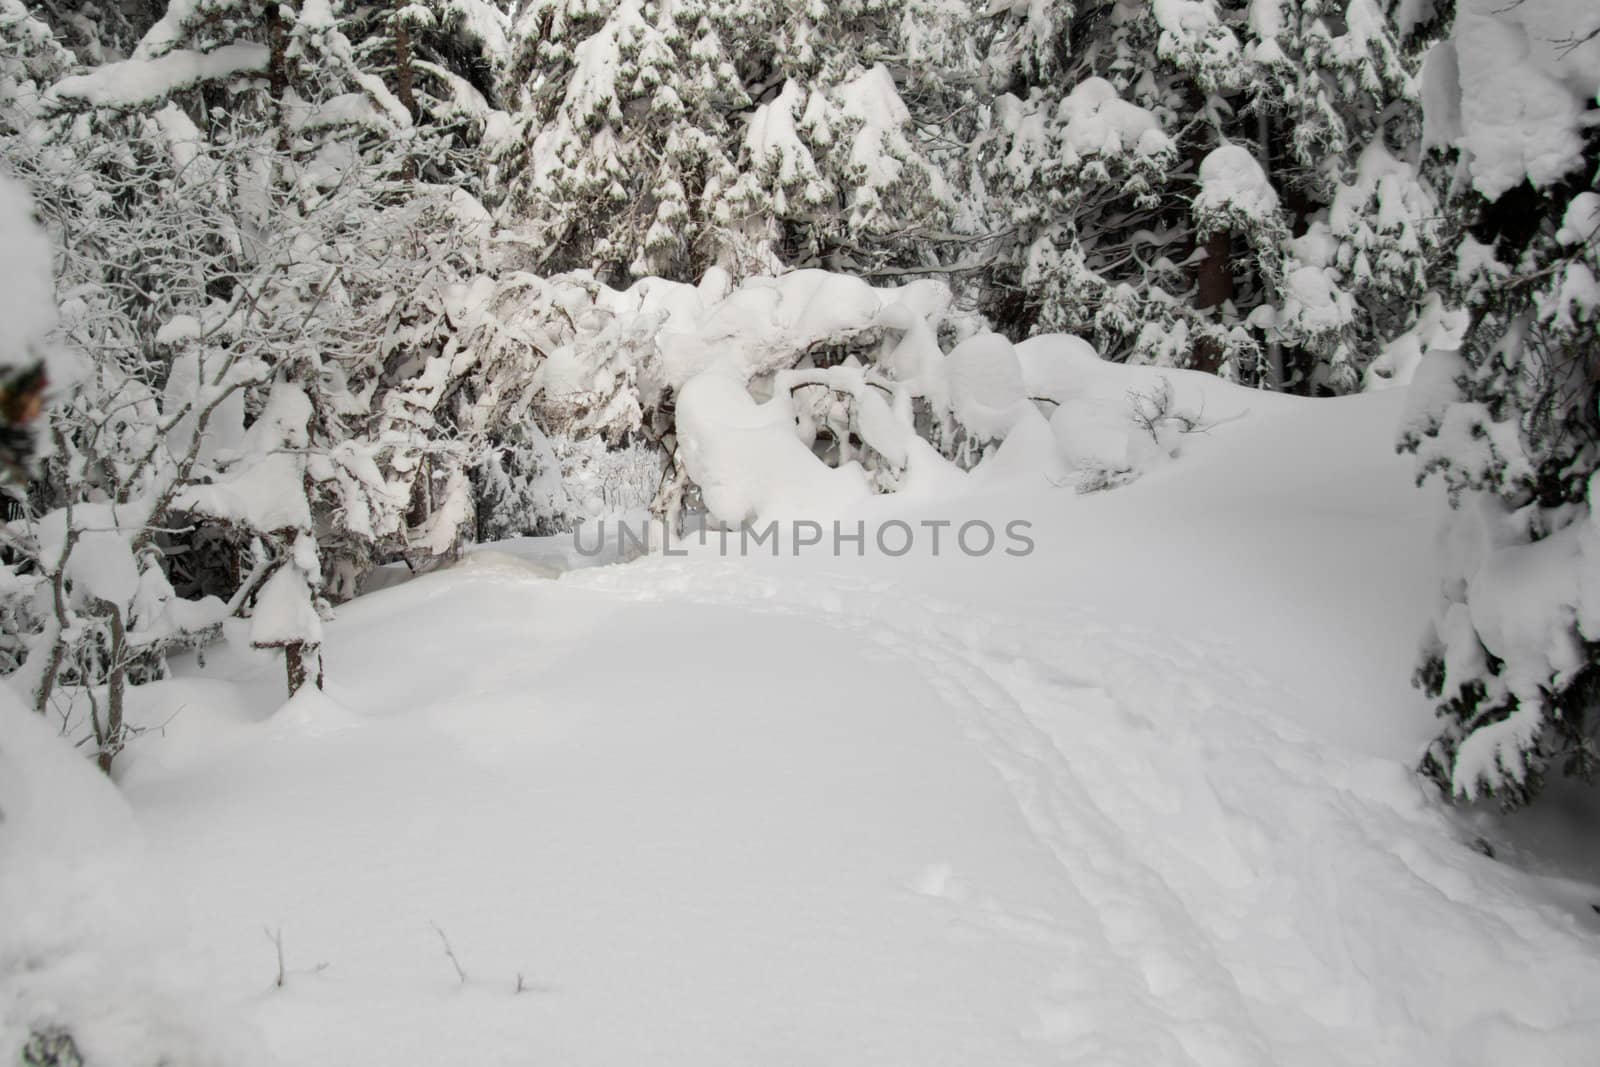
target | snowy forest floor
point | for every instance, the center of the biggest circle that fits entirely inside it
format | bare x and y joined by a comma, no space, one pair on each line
1142,797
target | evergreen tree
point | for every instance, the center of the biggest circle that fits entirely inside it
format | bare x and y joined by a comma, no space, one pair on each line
660,138
622,140
1207,184
1511,424
445,60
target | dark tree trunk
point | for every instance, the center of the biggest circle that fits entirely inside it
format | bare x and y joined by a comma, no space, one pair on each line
297,660
1213,278
405,80
404,74
110,734
1213,272
278,68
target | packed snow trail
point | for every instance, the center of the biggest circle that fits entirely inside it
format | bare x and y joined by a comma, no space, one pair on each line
1240,893
1143,798
877,828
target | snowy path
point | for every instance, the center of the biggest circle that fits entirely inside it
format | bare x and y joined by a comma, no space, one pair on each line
884,829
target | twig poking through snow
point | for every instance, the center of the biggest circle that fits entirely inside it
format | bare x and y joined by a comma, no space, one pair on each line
450,953
276,937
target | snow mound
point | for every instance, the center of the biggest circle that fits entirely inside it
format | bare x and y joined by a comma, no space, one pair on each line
986,388
1112,422
1232,179
747,459
311,713
87,947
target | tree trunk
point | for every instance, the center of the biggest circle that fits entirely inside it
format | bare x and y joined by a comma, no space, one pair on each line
405,76
1213,274
297,665
1213,278
110,736
1275,368
403,73
278,68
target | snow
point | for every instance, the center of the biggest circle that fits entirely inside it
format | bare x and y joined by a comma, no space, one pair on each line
1440,82
283,612
133,82
27,291
1232,179
481,21
1581,222
100,564
266,488
767,322
1523,81
878,115
90,942
1438,328
1313,300
986,387
1095,121
1143,795
774,143
747,459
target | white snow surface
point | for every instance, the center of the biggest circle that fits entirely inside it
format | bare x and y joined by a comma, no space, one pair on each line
986,387
1230,177
1097,121
27,293
1142,796
1514,84
90,944
132,82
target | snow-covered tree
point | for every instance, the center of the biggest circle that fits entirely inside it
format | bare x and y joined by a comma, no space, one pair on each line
1511,424
1207,184
661,138
286,615
519,486
622,139
445,60
263,291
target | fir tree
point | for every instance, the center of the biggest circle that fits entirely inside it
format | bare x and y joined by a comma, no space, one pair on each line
1511,426
1207,184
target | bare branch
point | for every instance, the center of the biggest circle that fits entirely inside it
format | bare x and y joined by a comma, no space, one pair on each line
450,953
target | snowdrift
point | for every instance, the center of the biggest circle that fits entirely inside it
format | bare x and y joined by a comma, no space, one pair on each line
91,955
1143,795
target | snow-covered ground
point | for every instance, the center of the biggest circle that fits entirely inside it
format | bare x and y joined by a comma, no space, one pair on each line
1143,796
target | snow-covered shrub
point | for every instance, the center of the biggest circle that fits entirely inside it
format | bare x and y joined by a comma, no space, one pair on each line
1108,456
267,303
598,480
809,386
519,486
1511,423
850,373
